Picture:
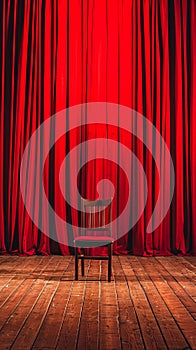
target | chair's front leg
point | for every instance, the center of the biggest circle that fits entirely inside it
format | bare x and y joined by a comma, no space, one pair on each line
82,263
76,263
109,262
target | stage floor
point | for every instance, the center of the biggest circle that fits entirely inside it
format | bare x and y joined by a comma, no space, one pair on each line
150,303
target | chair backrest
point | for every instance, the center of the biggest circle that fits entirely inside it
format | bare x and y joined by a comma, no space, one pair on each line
97,215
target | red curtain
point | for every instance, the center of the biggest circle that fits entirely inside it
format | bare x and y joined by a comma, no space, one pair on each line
138,53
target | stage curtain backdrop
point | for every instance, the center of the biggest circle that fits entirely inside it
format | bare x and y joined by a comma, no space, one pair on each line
138,53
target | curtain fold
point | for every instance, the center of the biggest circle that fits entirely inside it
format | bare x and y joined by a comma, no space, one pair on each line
56,54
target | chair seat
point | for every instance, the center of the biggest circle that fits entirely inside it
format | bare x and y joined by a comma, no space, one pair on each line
92,241
94,238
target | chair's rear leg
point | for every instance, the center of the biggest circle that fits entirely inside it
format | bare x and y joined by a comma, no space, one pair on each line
76,263
109,262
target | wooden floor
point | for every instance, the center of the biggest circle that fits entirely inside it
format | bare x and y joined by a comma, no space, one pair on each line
150,303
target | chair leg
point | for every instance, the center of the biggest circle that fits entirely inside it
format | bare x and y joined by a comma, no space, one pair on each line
76,263
82,263
82,266
109,262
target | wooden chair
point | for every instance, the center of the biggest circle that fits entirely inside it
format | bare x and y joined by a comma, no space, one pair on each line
96,220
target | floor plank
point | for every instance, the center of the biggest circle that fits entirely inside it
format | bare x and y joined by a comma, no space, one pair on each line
149,304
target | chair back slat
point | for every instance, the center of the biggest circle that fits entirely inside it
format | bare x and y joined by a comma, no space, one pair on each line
104,217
